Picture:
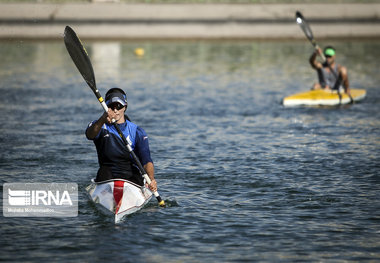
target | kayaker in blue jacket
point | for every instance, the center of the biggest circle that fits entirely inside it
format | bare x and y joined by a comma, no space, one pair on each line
115,162
329,80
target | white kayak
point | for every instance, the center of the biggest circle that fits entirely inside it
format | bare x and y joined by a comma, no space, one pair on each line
118,197
323,98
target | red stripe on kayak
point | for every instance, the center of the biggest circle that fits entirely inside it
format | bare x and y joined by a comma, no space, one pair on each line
118,190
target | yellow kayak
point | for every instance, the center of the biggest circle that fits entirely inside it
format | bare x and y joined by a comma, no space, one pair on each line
323,97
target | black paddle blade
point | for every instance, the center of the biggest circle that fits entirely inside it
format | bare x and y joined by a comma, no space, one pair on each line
304,26
80,57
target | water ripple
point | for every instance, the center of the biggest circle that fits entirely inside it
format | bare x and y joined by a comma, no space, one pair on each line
245,179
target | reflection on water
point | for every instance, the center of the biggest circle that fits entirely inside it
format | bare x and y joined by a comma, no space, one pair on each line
264,60
250,179
106,58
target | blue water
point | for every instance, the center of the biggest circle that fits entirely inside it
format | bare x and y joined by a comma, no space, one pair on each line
245,179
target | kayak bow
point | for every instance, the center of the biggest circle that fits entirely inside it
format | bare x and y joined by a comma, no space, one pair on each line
118,197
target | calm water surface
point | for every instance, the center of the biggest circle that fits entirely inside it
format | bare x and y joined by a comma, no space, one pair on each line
245,178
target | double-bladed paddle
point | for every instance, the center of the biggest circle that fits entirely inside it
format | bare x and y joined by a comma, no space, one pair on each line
82,61
301,21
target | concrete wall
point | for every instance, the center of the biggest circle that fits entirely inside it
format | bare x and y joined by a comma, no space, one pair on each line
189,21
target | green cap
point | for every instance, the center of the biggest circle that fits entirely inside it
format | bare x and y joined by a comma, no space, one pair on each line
330,52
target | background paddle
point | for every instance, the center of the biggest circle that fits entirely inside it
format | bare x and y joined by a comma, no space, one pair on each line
82,61
308,33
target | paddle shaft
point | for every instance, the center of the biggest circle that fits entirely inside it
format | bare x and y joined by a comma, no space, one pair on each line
316,46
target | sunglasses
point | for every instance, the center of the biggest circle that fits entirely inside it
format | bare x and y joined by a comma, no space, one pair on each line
114,106
327,56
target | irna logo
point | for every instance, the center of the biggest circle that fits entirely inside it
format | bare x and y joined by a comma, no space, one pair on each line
38,197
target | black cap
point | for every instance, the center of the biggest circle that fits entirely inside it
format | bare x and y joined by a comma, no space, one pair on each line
116,95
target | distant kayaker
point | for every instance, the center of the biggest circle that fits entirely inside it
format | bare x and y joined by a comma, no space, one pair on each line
115,162
331,75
